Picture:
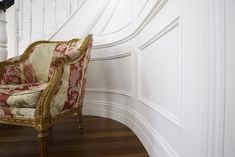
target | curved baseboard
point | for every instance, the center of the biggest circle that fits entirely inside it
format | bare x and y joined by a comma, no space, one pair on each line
155,144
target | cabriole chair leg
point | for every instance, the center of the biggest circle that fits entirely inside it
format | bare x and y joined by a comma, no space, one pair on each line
43,139
80,120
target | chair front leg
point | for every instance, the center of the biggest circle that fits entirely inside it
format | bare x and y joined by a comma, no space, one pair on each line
80,120
43,139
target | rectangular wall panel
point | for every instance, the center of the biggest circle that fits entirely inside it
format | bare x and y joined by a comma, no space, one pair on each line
111,75
160,81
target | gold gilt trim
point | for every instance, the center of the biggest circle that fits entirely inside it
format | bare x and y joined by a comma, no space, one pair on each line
20,122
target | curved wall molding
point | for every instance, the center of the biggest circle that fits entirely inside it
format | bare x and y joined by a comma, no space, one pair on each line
114,91
70,18
106,23
119,8
174,23
109,18
96,18
143,18
116,31
140,26
154,143
142,9
116,56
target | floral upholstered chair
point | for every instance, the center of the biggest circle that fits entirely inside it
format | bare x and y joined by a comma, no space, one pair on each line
45,84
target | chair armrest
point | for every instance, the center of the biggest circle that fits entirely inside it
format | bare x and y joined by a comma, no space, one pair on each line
43,107
43,115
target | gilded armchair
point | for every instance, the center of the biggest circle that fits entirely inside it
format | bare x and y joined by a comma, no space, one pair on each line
45,84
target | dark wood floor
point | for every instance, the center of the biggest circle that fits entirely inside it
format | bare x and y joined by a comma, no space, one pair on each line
101,137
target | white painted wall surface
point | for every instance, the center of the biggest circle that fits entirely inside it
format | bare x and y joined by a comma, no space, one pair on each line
229,146
158,67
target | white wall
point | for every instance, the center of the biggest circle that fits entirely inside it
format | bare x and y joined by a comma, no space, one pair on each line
158,67
154,78
32,20
230,83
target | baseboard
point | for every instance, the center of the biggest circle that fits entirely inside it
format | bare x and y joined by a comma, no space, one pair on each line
155,144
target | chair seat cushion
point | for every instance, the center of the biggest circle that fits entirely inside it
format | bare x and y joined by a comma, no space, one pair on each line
13,112
21,96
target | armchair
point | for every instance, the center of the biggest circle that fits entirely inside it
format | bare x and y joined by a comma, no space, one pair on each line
44,85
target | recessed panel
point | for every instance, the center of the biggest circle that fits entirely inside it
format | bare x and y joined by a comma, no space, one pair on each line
161,73
113,74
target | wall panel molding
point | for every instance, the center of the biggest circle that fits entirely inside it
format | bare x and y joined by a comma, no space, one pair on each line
116,31
175,119
109,18
114,91
155,144
116,56
143,7
96,18
140,26
162,33
67,20
217,72
101,33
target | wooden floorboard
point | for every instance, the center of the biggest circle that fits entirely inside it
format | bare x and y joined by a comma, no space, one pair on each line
101,137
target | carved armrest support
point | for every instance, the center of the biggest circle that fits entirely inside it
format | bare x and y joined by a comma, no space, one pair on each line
43,107
43,115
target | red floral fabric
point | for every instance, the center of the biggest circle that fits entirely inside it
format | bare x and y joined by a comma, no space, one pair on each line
61,49
28,74
84,77
18,74
6,112
12,75
76,73
75,78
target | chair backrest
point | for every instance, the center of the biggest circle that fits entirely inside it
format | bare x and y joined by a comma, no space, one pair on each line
72,87
41,56
76,78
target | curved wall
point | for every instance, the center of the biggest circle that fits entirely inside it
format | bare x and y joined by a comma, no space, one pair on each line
152,68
